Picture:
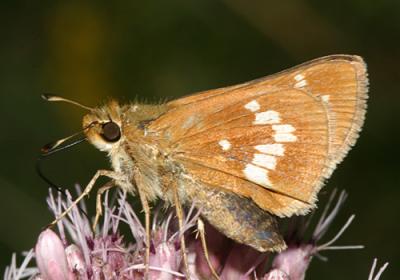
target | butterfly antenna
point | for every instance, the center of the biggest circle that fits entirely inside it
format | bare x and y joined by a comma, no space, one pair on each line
55,98
50,149
53,147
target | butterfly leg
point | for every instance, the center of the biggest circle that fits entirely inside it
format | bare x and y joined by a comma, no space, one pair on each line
201,232
86,191
146,209
99,208
179,214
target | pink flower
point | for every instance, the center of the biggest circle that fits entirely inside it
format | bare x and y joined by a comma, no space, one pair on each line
51,258
76,263
276,274
295,260
78,253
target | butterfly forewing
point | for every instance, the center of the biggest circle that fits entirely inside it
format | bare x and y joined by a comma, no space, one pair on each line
271,147
338,80
341,82
273,139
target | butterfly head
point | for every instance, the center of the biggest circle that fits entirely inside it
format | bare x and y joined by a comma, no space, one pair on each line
102,126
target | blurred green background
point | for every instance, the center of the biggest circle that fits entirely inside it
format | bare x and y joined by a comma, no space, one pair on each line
156,50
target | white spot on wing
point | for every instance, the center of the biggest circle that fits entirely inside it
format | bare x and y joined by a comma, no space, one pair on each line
257,175
283,133
283,128
266,161
252,106
271,149
285,137
189,122
299,77
225,144
300,81
267,117
325,98
300,84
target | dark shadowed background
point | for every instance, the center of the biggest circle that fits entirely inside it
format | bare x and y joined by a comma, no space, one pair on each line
157,50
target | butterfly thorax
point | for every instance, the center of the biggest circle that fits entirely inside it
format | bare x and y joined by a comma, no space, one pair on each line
135,149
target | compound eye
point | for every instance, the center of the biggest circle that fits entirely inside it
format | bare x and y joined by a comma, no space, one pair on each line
111,132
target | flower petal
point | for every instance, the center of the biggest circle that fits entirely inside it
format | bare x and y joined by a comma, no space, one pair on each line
75,259
51,258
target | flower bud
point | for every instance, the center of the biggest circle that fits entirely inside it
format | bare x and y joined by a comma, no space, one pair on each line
51,258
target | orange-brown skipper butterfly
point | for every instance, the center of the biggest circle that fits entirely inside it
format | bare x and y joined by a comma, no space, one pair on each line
245,153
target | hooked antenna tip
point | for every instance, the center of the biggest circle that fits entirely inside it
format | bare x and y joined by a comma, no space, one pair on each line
46,96
48,147
52,97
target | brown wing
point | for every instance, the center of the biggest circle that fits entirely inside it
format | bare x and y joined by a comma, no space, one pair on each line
339,80
274,139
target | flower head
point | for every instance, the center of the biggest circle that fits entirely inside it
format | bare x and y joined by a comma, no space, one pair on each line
295,260
78,253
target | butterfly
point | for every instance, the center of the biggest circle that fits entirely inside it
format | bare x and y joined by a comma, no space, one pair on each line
244,154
